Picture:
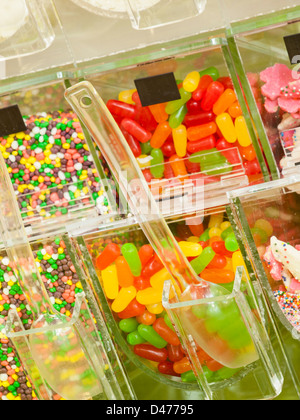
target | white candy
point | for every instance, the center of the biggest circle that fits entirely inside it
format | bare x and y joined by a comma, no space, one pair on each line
12,158
78,166
5,261
15,145
37,165
61,175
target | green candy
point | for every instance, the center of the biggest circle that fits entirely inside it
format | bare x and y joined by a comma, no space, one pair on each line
199,311
149,334
177,117
174,106
231,243
131,255
157,167
261,233
205,236
188,377
201,262
212,72
226,373
146,148
134,338
128,325
226,233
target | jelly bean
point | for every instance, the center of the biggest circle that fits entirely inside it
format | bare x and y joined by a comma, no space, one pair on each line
157,163
213,232
133,309
144,161
242,132
226,232
215,220
153,267
140,283
134,338
194,107
125,296
219,316
175,353
108,256
252,167
128,325
188,377
168,148
165,332
216,275
177,118
157,281
226,373
132,143
124,273
212,94
160,135
146,148
238,261
166,368
202,144
196,230
225,225
205,81
264,225
155,308
168,174
159,113
201,262
180,140
146,351
232,155
146,252
174,106
219,248
136,130
191,81
205,236
224,102
213,72
201,131
226,126
110,282
213,365
121,109
191,120
182,366
149,296
168,322
235,110
149,334
148,176
143,114
147,318
247,153
190,249
178,166
219,261
231,243
126,96
261,233
131,255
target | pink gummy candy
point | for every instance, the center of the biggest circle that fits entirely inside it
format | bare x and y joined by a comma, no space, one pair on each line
294,286
276,78
276,267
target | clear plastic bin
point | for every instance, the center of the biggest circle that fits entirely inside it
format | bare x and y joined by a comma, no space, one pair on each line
265,57
26,28
267,217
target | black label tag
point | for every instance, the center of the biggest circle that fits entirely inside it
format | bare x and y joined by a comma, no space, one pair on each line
292,43
11,121
157,89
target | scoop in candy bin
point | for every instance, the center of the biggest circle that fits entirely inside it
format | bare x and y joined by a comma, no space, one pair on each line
62,350
94,114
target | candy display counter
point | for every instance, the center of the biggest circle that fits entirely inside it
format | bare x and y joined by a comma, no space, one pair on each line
266,56
267,217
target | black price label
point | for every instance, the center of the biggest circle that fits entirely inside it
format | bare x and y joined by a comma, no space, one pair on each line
157,89
292,43
11,121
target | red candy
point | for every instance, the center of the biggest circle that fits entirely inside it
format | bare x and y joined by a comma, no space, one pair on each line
212,94
133,309
121,109
136,130
146,351
108,256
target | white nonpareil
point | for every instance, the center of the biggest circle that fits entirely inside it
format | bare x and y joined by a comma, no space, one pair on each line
13,16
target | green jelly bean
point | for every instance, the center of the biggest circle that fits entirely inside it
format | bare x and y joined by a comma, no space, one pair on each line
205,236
134,338
231,243
157,168
173,106
177,117
146,148
220,315
226,233
216,168
205,155
149,334
261,233
241,340
201,262
199,311
128,325
226,373
131,255
188,377
212,72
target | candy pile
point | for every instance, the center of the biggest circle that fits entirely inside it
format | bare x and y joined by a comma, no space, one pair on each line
167,138
50,166
132,277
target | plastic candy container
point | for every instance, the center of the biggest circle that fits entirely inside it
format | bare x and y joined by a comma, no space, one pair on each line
203,132
132,277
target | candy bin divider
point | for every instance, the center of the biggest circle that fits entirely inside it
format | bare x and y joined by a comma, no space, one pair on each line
258,334
111,323
120,378
82,327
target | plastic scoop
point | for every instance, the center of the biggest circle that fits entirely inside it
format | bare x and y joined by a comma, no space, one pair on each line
93,112
62,349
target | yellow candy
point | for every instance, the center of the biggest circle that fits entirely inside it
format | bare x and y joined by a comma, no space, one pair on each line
144,161
225,225
65,146
190,249
85,146
238,261
180,140
157,281
110,282
126,96
80,136
125,296
191,81
155,309
193,239
264,225
226,126
149,296
215,220
242,132
214,232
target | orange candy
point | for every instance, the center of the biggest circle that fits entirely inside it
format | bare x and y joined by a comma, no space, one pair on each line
125,276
